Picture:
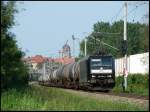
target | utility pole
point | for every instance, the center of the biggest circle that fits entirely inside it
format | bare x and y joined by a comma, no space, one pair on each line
85,46
85,42
59,53
73,38
44,69
125,73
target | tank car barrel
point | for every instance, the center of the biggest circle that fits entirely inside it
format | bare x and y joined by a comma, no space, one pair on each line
78,74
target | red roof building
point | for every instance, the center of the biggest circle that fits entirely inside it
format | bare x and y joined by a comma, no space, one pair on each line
40,59
64,60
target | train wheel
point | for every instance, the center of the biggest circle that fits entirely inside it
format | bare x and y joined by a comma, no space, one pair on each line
76,87
106,91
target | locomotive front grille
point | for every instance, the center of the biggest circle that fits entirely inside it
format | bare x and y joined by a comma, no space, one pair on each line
101,76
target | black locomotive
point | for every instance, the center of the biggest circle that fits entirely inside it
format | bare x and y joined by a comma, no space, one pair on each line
95,72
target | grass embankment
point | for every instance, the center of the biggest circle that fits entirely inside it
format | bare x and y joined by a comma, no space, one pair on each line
44,98
137,84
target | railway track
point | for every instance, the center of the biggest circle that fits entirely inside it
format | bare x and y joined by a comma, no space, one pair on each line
115,97
127,95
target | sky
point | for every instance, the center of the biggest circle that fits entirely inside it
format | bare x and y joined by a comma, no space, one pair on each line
45,26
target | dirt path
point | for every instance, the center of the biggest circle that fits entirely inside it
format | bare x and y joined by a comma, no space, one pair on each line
99,96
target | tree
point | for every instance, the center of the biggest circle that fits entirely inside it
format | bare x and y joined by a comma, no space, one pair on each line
13,70
137,38
145,39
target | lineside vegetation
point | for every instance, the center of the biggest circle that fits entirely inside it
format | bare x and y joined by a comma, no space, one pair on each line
137,84
47,98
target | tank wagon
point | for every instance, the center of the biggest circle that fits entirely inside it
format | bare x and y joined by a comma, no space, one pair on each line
92,72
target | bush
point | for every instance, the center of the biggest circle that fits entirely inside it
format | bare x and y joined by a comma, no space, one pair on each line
137,84
139,79
15,79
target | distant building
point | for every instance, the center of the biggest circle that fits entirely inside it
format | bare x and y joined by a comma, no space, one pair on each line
43,66
36,60
39,65
64,60
66,51
35,66
65,55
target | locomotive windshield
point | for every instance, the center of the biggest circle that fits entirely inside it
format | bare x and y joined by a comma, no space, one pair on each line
96,62
101,62
105,62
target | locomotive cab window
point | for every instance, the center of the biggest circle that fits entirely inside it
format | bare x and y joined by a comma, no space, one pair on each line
101,65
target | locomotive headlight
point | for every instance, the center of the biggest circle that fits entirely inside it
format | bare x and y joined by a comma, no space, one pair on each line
109,76
102,71
93,75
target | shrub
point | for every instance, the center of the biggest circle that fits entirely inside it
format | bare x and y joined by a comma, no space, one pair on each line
137,84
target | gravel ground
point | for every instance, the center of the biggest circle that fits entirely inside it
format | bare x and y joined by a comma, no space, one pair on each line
33,83
99,96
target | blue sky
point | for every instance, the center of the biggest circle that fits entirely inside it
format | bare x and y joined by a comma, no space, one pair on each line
45,26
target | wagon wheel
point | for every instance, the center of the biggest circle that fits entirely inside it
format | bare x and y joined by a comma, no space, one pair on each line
68,84
65,84
76,87
106,91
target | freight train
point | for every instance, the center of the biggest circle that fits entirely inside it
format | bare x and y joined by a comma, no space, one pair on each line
92,72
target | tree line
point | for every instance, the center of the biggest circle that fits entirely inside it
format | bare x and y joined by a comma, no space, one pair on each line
137,39
14,72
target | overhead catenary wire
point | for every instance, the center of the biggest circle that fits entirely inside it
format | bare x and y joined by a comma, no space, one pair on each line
145,18
116,14
137,6
138,3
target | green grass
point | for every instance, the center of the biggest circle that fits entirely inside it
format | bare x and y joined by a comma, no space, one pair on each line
137,84
44,98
